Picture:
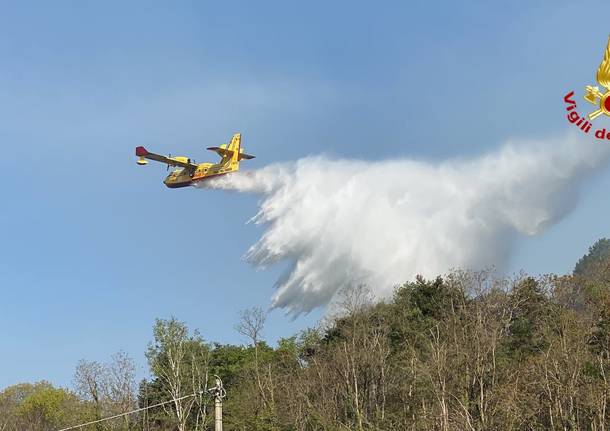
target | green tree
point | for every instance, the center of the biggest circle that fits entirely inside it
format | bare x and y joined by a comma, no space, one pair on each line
530,307
597,253
46,408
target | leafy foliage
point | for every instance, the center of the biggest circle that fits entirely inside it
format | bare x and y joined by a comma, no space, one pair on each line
467,351
597,253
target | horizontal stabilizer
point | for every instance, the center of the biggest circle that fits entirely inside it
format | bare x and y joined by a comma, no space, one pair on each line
223,152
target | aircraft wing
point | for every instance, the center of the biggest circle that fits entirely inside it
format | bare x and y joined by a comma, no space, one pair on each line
142,152
223,152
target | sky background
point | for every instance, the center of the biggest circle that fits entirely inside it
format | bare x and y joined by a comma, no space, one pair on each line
94,248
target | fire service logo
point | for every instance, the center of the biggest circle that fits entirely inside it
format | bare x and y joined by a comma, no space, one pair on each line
595,96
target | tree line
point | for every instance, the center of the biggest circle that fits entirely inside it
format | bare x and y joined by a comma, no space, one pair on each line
466,351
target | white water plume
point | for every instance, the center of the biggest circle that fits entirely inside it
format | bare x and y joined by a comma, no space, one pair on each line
343,222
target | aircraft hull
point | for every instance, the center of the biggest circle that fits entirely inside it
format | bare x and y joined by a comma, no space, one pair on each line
181,184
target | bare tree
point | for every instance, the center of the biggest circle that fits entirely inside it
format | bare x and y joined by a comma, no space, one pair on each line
121,389
251,325
110,387
90,383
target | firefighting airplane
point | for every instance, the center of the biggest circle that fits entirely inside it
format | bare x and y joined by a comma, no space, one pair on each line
188,172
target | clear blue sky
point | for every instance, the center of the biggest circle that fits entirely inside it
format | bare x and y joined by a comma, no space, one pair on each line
95,248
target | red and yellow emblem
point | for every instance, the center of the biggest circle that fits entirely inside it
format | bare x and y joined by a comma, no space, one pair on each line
594,95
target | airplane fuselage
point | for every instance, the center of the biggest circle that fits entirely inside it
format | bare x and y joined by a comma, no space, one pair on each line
184,178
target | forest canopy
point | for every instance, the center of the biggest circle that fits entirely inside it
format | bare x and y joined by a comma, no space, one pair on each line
465,351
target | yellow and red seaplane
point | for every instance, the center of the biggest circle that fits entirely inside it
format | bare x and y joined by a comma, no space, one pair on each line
189,173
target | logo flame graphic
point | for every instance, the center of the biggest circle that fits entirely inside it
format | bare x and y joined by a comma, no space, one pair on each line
596,97
603,73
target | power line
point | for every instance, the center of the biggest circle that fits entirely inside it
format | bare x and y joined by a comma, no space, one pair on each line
131,412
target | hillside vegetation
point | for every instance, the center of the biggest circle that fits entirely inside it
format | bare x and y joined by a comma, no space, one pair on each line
466,351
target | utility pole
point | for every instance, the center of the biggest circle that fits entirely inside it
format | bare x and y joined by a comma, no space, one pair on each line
218,392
